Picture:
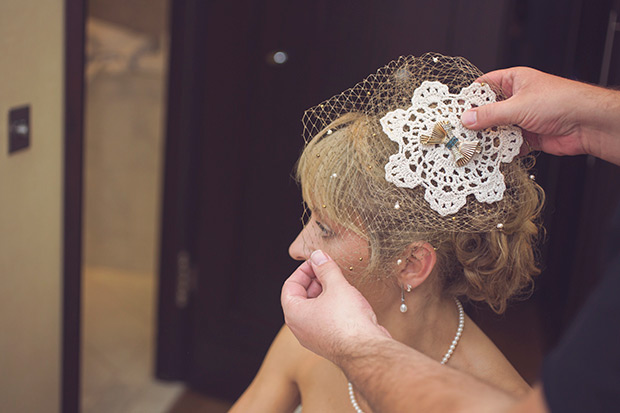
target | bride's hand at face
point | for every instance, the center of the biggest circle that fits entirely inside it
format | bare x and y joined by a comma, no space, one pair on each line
326,313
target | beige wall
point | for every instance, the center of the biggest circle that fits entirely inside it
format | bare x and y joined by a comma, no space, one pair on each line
31,72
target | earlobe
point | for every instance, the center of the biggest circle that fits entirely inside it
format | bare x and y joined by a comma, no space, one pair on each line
418,264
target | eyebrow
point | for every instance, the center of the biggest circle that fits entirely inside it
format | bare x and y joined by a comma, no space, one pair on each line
318,215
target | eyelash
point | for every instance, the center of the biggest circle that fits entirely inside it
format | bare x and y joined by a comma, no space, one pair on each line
326,232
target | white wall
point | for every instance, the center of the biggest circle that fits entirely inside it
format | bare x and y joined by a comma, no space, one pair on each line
31,72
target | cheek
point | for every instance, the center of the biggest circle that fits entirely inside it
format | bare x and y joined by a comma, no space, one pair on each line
348,250
352,256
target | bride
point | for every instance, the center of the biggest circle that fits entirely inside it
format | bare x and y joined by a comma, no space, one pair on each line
421,214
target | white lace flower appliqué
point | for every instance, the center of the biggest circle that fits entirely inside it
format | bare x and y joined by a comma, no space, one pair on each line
433,166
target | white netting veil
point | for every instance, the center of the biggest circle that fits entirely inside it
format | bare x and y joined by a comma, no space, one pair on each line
388,162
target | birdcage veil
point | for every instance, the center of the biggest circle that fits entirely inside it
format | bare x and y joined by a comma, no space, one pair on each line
389,161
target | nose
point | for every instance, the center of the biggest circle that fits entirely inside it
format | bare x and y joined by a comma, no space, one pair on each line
299,249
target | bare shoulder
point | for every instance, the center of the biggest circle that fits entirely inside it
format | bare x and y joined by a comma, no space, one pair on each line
284,355
289,355
480,357
287,342
275,386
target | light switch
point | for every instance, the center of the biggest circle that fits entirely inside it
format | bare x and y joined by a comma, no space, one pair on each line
19,128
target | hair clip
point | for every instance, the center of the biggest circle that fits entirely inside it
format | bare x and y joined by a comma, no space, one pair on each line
462,151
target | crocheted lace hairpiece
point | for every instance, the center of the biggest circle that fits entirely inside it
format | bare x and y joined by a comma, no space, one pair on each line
435,166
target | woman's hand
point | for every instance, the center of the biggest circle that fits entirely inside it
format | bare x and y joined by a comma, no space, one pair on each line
559,116
326,313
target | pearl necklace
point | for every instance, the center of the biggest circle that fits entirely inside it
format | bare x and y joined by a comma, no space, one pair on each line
446,357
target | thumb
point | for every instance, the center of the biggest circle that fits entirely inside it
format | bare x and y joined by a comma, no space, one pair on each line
493,114
325,269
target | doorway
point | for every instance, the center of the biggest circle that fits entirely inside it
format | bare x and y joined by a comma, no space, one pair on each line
125,73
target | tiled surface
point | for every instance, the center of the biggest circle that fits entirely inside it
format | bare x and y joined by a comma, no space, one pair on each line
118,349
192,402
118,344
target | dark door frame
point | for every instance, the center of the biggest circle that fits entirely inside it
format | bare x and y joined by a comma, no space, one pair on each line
179,200
74,40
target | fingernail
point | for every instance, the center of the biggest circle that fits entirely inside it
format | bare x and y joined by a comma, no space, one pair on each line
318,258
469,118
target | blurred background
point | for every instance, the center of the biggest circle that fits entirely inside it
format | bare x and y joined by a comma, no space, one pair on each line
145,226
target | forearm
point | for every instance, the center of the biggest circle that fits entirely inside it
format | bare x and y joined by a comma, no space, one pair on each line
393,377
601,123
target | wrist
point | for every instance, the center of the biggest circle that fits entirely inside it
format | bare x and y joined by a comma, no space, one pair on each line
354,353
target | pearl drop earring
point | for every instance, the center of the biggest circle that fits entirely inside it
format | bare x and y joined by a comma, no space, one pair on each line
403,306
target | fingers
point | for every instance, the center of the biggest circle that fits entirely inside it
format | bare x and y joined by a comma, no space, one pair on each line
501,79
500,113
326,270
304,274
315,289
292,291
505,112
318,257
306,280
531,142
301,284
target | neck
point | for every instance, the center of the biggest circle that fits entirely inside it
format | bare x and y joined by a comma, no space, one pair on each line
429,325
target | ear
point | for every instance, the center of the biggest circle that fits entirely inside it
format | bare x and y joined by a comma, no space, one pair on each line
417,264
